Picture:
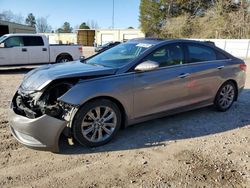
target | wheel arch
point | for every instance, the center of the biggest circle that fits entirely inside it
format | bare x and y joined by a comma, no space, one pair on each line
236,87
64,54
124,117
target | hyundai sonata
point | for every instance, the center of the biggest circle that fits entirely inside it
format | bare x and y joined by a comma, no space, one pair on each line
88,101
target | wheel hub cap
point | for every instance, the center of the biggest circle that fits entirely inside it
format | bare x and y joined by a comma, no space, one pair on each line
226,96
99,124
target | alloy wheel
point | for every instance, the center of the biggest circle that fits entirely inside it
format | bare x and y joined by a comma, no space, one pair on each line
63,60
226,96
99,123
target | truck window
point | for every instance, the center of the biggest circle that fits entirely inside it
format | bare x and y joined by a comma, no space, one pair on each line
13,42
33,41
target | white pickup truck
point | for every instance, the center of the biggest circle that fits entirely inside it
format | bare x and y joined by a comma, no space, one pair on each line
26,49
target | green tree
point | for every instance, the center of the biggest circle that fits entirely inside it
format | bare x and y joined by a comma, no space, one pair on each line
30,20
194,7
84,26
66,28
221,19
152,16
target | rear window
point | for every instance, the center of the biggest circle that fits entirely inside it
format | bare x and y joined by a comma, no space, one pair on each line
221,56
198,53
33,41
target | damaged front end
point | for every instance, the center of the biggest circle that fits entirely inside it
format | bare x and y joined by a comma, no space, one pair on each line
35,104
39,115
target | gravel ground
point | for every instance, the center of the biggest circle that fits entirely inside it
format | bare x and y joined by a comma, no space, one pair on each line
201,148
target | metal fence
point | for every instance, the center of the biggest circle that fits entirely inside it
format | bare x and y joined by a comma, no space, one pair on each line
238,47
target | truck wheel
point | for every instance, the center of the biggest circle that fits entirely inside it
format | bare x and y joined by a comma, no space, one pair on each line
63,58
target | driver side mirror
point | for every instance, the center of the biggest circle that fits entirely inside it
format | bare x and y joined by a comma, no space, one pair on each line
2,45
147,66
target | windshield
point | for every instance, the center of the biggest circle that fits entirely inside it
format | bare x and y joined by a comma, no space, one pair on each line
119,55
2,38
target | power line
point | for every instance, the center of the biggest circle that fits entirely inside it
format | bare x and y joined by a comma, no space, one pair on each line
113,15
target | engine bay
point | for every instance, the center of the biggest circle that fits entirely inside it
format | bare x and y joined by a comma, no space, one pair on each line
35,104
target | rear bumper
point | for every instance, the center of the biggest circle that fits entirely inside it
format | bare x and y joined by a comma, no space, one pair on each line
41,133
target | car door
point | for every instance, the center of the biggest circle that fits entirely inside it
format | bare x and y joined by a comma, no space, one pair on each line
13,52
38,52
205,68
164,88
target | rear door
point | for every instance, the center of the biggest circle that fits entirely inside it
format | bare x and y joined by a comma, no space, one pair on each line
205,65
38,52
13,52
164,88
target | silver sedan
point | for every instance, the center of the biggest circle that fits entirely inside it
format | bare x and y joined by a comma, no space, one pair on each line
90,100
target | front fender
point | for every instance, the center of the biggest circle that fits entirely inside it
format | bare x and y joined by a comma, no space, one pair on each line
119,87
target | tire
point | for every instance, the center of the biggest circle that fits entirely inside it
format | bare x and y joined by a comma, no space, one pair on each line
92,130
225,96
63,59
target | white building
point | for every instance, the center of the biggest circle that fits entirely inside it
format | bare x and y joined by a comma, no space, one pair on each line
103,36
88,37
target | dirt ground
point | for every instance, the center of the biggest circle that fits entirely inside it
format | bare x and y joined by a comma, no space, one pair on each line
202,148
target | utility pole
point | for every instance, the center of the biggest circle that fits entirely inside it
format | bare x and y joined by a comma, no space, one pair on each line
113,15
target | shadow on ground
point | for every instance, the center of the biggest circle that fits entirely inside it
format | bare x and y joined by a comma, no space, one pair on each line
19,70
197,123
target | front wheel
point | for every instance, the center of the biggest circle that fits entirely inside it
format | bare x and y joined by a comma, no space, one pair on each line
96,123
225,97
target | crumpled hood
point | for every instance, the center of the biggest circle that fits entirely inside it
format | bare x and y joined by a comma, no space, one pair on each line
40,77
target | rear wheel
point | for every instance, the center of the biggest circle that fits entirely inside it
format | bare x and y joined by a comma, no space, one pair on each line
96,123
225,96
63,58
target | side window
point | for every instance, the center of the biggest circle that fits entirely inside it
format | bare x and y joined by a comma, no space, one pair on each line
198,53
221,56
14,42
167,55
33,41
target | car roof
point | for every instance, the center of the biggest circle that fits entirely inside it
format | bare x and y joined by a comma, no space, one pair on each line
147,40
156,41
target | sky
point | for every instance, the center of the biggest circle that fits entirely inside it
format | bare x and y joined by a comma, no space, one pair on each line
77,11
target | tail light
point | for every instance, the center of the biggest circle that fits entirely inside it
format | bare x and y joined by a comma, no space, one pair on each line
80,49
243,67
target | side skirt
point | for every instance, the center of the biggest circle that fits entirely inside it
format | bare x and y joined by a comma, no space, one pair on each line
171,112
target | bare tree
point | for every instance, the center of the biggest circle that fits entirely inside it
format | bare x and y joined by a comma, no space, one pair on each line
42,25
18,18
9,16
6,15
92,24
76,27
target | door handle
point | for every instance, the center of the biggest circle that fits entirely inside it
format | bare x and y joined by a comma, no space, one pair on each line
44,49
220,67
24,49
184,75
